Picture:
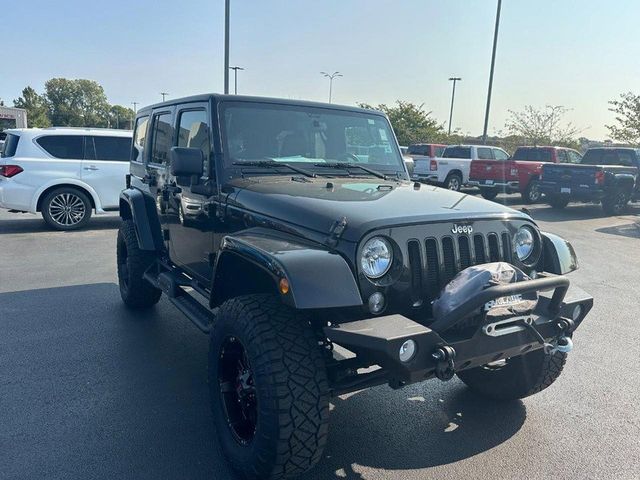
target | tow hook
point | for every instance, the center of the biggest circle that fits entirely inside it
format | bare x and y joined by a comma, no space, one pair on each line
445,368
562,343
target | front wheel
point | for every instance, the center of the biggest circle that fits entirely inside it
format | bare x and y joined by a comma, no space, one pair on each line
269,388
489,193
516,377
615,204
453,182
558,202
532,193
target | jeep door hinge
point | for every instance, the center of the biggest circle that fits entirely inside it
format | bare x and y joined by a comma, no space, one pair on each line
335,232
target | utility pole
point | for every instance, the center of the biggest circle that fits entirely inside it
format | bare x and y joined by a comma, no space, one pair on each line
453,96
226,46
493,63
135,107
235,77
331,77
164,94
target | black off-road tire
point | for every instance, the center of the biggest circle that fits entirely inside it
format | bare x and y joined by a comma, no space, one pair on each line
616,203
518,378
52,208
453,182
558,202
532,193
135,291
290,387
489,193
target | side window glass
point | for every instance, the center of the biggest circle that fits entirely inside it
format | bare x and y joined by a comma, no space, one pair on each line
574,157
193,132
484,153
162,139
500,154
562,156
63,146
139,138
625,158
439,151
112,148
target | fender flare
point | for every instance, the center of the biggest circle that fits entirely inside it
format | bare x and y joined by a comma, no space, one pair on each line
65,181
141,208
317,277
558,254
626,181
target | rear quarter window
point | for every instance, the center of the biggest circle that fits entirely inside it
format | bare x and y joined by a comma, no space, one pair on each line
108,148
63,146
10,145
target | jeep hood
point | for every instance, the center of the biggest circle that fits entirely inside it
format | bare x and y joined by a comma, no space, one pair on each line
366,203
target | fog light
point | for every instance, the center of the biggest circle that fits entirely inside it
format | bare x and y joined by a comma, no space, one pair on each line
376,303
577,313
407,351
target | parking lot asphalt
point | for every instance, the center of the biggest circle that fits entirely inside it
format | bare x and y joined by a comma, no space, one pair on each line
90,390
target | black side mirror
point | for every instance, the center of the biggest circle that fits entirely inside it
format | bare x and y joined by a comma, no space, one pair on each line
186,162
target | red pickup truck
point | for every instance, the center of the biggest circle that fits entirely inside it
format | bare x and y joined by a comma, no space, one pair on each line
520,173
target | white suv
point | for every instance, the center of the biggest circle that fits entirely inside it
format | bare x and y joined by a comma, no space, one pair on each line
64,173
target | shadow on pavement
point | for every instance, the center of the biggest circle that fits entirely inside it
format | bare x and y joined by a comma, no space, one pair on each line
631,230
35,224
91,389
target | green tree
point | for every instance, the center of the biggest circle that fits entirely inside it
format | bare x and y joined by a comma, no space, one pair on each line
36,107
121,117
627,110
411,123
542,126
77,103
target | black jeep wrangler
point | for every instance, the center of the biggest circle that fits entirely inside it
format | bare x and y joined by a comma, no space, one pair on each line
289,232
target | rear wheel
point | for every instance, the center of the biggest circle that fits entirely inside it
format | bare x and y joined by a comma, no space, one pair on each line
615,204
269,388
66,208
558,202
516,377
135,291
453,182
489,193
532,193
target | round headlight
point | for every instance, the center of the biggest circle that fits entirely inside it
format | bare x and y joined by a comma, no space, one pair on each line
524,243
376,256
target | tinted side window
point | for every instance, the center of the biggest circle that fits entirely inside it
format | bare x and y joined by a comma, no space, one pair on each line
10,145
485,154
162,138
62,146
419,149
457,152
562,156
592,157
111,148
500,154
139,139
193,132
626,158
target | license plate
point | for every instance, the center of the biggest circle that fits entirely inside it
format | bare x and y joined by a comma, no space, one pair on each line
488,182
565,190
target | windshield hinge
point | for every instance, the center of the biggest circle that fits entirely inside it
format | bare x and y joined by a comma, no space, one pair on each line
335,232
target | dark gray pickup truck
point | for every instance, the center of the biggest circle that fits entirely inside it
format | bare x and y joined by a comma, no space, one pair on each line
607,175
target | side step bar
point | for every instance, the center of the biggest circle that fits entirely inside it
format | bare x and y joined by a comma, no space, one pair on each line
171,285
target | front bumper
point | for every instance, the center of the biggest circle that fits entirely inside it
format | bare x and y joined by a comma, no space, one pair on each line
510,187
430,178
379,339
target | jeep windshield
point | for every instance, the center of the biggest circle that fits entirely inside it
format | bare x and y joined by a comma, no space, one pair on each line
324,141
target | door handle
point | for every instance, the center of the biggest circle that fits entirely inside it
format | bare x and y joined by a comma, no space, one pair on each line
92,167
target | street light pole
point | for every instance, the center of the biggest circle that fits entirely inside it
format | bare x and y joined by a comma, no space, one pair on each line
453,96
493,63
331,77
235,77
135,107
164,95
226,46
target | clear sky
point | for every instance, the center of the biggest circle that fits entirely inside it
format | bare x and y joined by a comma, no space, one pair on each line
579,54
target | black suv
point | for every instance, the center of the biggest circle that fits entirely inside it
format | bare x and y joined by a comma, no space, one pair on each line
290,233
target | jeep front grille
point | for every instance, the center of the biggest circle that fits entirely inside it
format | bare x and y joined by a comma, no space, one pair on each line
435,262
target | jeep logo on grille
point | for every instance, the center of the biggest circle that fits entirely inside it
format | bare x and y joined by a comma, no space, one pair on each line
461,228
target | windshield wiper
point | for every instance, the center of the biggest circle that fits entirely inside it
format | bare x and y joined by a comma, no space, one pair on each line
347,165
274,164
